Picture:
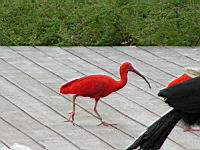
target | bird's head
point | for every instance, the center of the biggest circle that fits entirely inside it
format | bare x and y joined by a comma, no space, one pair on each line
127,66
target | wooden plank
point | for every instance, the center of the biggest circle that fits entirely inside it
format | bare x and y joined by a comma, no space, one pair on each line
149,58
188,52
87,65
11,134
3,145
120,136
49,117
114,132
172,55
44,136
46,68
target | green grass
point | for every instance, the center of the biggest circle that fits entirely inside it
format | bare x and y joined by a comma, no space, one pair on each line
100,22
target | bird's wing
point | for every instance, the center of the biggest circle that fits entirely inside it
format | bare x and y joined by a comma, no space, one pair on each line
101,89
69,83
184,96
92,86
186,104
64,89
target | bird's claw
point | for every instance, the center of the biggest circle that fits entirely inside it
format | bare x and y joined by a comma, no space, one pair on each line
190,130
70,121
71,118
106,124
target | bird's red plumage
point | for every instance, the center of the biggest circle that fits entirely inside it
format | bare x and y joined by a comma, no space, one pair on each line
64,88
94,86
179,80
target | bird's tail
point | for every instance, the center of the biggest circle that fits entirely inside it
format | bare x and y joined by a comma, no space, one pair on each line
156,134
65,89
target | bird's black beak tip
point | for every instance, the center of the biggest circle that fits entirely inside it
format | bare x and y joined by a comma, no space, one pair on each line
149,85
138,73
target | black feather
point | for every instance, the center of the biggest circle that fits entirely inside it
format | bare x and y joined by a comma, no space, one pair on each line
185,89
185,99
156,134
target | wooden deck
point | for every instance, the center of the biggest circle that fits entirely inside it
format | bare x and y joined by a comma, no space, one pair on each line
32,112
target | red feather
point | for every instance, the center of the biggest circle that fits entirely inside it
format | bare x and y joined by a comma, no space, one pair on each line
64,88
179,80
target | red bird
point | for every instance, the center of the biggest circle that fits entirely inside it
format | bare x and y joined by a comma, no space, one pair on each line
97,86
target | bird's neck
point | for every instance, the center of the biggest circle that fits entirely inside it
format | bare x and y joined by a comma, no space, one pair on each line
123,80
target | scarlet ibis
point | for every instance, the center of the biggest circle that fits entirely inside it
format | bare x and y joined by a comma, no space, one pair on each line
184,97
97,86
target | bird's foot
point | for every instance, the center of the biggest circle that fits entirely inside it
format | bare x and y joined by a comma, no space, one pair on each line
71,118
190,129
103,123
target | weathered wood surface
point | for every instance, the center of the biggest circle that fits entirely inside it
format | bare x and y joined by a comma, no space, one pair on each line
32,112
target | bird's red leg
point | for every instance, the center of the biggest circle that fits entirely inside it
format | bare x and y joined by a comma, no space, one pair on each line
95,110
72,114
190,129
99,116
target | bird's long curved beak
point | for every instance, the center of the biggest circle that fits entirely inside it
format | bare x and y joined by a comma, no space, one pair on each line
137,72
